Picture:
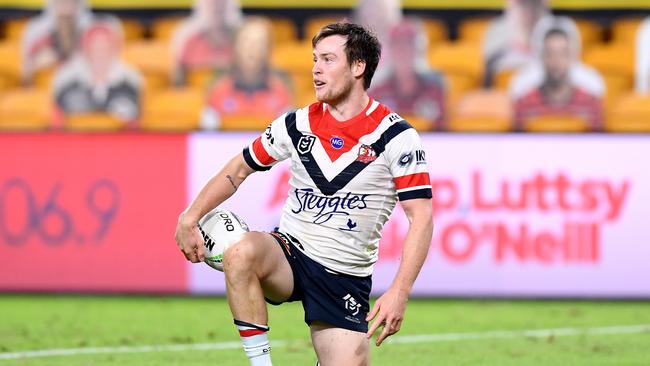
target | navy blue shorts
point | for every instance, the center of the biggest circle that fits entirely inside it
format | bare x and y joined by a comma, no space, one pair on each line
334,298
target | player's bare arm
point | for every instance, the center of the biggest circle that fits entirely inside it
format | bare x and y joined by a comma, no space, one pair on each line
390,307
218,189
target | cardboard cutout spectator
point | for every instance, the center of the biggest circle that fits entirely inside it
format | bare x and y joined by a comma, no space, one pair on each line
205,39
251,87
642,81
53,37
96,80
411,88
557,83
380,16
506,44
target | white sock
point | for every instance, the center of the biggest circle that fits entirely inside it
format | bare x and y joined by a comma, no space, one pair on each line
256,342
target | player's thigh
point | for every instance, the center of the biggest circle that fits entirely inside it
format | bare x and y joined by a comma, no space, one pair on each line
338,346
268,261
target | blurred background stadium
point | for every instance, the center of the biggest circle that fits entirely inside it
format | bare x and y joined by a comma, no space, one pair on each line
535,117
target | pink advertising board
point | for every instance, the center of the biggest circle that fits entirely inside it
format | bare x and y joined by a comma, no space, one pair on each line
515,215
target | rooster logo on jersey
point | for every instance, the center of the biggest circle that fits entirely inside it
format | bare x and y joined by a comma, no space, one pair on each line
366,154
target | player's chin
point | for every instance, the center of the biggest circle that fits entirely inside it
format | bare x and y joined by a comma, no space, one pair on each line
323,97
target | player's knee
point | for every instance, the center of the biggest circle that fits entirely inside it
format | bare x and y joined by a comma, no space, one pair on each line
241,255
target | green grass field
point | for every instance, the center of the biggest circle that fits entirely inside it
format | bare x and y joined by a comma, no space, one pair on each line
29,323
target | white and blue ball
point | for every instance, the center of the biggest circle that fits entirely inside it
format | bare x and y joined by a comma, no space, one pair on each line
220,229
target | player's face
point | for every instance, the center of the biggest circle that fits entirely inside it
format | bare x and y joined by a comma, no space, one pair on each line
557,58
333,76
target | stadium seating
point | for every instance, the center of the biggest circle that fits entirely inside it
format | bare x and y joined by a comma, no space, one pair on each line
153,59
244,123
473,29
9,64
615,62
436,31
630,114
176,109
624,30
284,30
612,58
314,24
92,122
462,65
482,111
200,78
419,123
503,77
163,28
591,33
13,28
25,109
556,123
133,30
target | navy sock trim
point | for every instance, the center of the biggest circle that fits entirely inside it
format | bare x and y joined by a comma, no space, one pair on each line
250,325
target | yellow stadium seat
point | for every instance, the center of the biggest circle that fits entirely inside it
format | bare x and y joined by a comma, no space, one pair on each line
314,24
163,28
460,57
284,30
612,59
25,109
245,122
473,29
133,30
482,111
10,64
419,123
14,28
200,78
462,65
153,59
293,56
624,30
43,78
503,77
436,30
591,33
174,109
303,86
93,122
616,85
556,123
630,114
457,85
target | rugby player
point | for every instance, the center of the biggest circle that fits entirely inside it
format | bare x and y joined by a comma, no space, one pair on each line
352,159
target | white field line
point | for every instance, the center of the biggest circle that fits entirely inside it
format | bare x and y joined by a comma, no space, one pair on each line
403,339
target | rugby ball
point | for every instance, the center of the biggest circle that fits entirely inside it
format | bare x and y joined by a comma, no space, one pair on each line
220,228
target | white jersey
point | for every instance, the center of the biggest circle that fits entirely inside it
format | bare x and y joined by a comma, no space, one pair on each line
345,179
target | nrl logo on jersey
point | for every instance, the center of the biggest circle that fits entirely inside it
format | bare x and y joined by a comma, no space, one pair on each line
366,154
305,144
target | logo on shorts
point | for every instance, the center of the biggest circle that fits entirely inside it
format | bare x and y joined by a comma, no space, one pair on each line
337,142
351,304
305,144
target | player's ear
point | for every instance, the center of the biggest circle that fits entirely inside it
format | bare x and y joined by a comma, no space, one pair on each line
358,68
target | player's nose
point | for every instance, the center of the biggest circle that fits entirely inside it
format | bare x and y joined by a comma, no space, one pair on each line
316,69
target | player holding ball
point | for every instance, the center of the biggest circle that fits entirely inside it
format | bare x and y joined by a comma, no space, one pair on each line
351,160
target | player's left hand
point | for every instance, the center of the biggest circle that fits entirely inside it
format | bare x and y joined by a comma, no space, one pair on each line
388,311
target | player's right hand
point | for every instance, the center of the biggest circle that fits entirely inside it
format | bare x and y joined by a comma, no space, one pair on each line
189,240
